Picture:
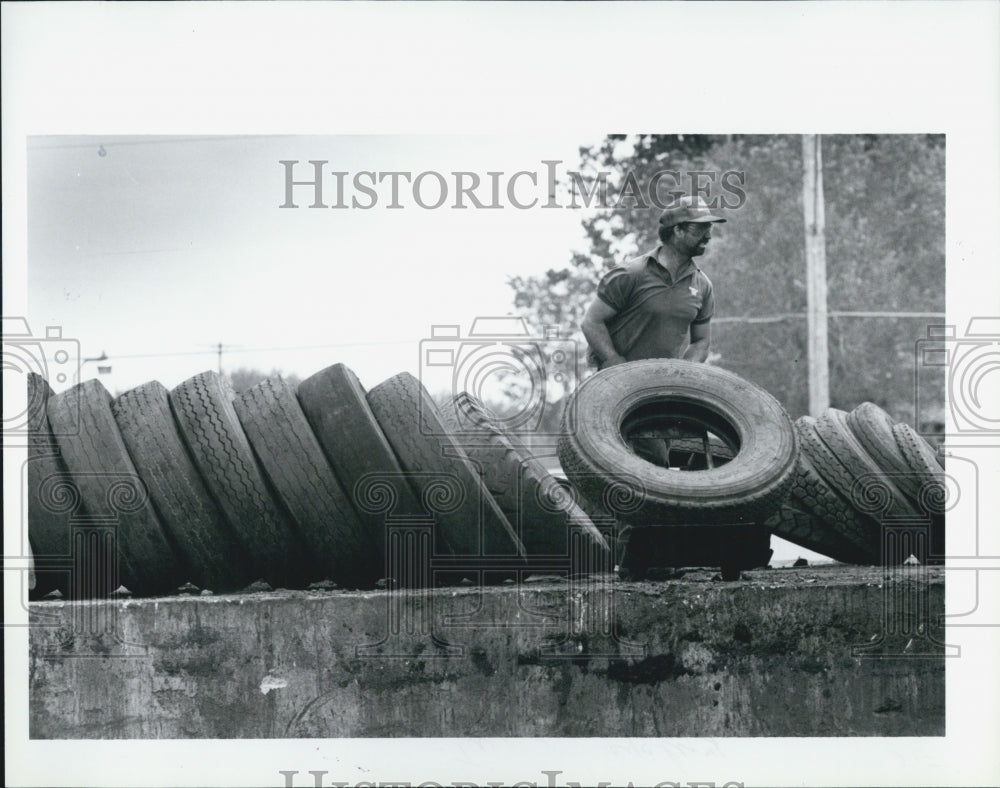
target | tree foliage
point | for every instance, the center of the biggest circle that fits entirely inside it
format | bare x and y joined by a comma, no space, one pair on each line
245,378
884,205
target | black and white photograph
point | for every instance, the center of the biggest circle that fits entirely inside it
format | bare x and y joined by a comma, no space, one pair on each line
434,393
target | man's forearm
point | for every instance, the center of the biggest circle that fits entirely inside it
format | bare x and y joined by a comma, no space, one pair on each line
697,351
599,338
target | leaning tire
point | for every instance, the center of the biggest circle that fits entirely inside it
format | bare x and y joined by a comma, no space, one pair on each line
932,498
811,492
920,457
203,408
594,451
863,482
872,426
471,522
111,493
805,529
334,403
541,510
302,478
48,521
197,527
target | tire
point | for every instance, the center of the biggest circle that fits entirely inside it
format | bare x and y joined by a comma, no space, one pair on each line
112,493
919,455
48,522
594,451
335,405
872,426
470,521
304,481
805,529
858,466
932,498
541,510
201,534
811,492
203,408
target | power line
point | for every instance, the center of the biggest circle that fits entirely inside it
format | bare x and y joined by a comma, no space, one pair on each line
219,347
112,142
832,313
215,349
940,315
775,318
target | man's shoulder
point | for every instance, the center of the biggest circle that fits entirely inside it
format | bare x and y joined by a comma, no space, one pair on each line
639,260
630,267
637,265
702,278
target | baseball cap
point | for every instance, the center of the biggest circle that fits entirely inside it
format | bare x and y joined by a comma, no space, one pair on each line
688,209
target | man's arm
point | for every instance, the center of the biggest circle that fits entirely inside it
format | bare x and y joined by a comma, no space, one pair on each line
701,338
595,329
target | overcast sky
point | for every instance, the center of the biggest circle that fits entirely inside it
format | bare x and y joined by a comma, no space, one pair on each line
152,249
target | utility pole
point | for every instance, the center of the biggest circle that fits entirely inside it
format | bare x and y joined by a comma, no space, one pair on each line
218,347
816,314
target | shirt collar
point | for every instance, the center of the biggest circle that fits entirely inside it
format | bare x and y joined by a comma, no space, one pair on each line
671,266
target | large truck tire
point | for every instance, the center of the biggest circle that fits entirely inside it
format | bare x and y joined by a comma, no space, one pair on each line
655,394
470,520
872,427
112,498
805,529
932,497
304,481
203,408
811,492
49,533
201,534
541,510
868,486
336,407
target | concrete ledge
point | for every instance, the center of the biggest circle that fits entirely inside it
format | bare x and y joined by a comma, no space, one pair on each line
820,651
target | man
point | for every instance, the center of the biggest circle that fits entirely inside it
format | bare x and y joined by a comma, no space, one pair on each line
660,304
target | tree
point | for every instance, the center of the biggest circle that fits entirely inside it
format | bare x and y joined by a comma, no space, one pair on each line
246,377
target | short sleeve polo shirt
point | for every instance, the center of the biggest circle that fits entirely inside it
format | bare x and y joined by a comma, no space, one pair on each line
654,312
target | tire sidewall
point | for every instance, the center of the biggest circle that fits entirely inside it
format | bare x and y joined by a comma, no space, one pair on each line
765,433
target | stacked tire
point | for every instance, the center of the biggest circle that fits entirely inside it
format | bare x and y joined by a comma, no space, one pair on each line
866,490
675,510
158,489
857,487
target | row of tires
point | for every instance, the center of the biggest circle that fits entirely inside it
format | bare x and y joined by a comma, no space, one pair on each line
157,488
866,490
857,487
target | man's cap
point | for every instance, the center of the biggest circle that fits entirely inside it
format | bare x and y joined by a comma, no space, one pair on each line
688,209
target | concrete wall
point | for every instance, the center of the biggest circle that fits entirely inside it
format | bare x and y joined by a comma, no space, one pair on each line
773,654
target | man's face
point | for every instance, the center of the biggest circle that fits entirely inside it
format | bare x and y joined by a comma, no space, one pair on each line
693,237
